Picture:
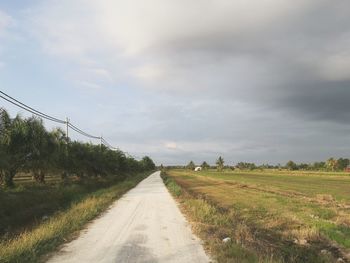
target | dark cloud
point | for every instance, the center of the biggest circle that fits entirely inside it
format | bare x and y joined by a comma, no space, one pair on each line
263,80
286,65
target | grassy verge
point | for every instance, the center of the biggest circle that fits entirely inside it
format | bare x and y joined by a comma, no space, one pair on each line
209,222
29,246
265,224
25,206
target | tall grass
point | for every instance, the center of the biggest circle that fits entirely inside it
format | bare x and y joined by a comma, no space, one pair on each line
29,246
25,205
211,225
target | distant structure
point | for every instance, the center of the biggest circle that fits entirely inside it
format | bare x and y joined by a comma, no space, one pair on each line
347,169
197,169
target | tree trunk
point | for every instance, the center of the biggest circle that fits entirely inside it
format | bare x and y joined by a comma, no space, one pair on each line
39,176
8,178
1,177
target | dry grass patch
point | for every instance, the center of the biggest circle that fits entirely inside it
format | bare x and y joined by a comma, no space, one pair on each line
264,224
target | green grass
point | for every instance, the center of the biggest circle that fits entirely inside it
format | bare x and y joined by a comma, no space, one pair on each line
31,245
26,205
271,215
172,186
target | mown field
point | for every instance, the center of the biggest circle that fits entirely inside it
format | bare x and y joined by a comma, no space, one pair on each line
270,216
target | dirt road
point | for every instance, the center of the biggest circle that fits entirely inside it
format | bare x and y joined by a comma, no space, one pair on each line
145,225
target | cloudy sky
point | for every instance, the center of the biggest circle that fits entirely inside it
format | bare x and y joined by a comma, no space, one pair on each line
258,80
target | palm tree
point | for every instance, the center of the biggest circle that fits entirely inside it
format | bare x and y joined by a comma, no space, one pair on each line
191,165
290,165
60,158
332,163
14,146
220,164
205,165
42,146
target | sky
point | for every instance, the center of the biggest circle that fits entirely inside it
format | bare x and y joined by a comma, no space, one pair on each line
262,81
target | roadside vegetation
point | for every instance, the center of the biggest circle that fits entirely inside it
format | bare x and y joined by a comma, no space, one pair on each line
33,244
27,147
51,186
267,216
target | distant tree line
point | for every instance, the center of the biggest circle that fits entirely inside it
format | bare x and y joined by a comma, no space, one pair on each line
331,164
219,165
26,146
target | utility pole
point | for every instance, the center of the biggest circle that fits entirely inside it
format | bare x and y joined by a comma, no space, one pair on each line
101,142
67,127
65,174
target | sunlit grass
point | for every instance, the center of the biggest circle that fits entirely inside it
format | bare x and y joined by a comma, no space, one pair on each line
274,216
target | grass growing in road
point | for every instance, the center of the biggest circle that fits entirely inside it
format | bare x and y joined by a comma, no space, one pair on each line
29,246
269,216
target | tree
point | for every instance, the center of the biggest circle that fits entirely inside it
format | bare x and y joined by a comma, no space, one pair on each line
243,166
205,165
290,165
318,165
25,145
191,165
42,147
331,164
303,166
148,164
220,164
14,146
60,156
342,163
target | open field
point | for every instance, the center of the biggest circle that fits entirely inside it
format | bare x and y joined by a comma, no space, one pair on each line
271,216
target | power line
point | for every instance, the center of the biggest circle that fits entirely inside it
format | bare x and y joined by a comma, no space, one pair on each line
108,144
82,132
25,107
34,111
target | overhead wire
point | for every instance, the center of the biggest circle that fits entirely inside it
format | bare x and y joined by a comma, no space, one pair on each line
25,107
30,109
82,132
33,112
108,144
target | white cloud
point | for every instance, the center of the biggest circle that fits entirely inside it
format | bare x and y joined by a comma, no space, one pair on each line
101,72
89,85
135,33
5,21
148,73
171,145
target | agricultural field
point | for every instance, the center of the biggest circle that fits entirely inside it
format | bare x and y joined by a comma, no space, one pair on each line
269,216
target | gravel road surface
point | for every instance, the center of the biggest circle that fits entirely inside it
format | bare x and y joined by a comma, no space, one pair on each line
145,225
